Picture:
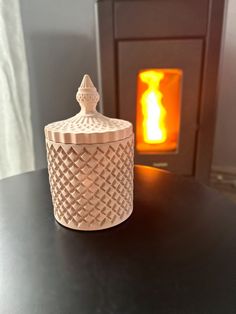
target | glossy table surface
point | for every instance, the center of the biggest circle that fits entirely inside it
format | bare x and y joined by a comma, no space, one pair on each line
175,254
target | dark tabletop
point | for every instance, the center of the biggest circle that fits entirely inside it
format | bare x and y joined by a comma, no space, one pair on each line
175,254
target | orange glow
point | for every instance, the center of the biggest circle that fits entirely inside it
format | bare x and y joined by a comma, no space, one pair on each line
158,110
154,128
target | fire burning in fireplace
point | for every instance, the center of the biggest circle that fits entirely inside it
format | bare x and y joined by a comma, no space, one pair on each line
154,113
158,110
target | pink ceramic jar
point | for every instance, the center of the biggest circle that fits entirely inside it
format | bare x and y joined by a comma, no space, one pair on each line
90,166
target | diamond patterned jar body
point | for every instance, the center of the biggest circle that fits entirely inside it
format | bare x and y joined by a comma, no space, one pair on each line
91,184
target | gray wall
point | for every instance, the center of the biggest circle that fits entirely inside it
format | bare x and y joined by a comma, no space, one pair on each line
225,139
60,48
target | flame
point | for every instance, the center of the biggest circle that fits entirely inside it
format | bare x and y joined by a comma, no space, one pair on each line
154,113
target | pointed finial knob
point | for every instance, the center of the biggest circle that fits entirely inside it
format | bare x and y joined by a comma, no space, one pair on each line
87,96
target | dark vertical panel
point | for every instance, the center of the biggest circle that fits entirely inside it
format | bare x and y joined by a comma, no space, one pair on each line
207,116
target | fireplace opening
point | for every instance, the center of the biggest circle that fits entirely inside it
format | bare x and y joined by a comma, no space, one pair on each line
158,110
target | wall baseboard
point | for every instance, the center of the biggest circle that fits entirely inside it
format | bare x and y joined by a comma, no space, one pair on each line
224,169
223,178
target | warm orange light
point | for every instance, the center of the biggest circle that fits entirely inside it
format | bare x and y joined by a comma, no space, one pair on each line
154,113
158,110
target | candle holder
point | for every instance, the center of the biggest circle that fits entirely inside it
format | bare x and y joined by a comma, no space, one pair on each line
90,166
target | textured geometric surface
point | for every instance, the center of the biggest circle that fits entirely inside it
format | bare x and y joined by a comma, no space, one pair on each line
89,124
88,129
91,185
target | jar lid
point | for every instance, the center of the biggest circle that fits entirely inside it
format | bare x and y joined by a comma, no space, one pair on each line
88,126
